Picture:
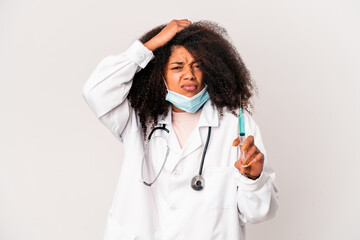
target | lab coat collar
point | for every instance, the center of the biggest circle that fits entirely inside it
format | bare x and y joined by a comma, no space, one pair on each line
209,116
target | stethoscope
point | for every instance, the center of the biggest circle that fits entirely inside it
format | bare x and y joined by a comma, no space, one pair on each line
197,182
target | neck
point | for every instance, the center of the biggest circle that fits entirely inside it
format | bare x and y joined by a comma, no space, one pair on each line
176,109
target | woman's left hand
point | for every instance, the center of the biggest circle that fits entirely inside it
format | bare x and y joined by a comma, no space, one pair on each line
253,158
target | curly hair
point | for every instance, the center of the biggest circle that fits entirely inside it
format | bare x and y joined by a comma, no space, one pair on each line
228,80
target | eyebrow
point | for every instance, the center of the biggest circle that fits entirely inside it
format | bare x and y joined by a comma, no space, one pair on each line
181,63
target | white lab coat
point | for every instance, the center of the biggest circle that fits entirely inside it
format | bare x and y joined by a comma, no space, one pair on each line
171,209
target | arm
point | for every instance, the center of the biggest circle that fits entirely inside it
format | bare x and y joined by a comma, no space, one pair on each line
257,199
107,88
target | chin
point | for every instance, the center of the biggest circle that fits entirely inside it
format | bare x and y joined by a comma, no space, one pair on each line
190,94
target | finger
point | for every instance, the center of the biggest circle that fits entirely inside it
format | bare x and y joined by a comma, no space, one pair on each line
259,158
178,24
248,142
251,163
184,20
245,170
184,23
181,26
256,165
250,153
180,20
253,169
237,164
236,142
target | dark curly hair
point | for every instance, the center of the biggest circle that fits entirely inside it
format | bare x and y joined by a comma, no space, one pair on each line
223,70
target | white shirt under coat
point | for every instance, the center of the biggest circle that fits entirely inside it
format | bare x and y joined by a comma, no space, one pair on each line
171,209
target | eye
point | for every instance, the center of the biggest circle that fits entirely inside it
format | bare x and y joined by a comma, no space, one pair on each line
174,68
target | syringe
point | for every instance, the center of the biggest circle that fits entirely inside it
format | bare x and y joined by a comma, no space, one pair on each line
242,136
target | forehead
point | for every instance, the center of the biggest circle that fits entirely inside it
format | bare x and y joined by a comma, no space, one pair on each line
180,53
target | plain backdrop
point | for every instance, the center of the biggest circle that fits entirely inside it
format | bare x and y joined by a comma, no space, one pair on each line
59,165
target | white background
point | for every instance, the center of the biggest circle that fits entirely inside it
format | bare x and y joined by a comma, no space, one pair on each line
59,165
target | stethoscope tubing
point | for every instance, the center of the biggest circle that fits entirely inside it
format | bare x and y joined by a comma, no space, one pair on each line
204,152
194,181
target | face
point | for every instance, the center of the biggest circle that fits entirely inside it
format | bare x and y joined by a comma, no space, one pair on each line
183,73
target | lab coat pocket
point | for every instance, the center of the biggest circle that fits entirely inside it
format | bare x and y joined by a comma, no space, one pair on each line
114,230
220,188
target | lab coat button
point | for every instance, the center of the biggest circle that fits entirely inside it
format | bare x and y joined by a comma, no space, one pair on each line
176,173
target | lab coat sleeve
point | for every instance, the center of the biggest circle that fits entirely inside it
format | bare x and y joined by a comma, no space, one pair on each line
107,88
257,199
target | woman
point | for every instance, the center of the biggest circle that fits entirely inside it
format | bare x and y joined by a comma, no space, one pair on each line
182,86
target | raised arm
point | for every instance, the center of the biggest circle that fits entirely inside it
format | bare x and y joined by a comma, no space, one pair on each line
107,88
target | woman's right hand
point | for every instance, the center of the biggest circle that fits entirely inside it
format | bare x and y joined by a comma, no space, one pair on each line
167,33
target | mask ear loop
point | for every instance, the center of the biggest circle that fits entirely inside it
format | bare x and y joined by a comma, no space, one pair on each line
165,83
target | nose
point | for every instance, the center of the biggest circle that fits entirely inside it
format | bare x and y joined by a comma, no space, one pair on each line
188,73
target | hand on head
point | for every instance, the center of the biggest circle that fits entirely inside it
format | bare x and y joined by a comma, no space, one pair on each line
167,33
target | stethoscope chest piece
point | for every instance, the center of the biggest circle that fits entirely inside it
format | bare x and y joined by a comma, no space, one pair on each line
198,183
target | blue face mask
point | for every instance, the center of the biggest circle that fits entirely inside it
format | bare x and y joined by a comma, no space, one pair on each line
188,104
